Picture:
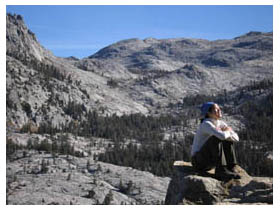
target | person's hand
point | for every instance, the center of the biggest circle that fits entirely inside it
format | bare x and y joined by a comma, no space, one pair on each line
226,128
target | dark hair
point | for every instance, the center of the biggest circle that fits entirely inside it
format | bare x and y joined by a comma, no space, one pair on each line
211,108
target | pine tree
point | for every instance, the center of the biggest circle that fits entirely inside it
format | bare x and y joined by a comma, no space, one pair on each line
108,198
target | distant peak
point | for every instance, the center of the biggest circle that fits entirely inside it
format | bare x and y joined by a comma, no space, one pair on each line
253,33
18,22
21,40
15,16
128,41
72,58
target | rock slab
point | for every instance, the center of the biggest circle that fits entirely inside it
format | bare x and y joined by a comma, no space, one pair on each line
189,187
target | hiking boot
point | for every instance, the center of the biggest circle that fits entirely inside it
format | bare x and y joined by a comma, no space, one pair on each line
202,173
223,174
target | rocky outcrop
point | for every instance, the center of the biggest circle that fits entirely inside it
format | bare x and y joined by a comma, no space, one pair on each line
149,73
22,41
189,187
42,178
193,189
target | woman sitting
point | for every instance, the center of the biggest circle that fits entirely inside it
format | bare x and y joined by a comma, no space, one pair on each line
213,145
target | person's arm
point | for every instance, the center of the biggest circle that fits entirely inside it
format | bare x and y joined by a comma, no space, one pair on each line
233,135
223,134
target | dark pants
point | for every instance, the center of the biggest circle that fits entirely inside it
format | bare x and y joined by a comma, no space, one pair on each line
213,154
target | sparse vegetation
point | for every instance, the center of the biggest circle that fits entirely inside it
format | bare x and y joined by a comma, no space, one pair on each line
47,70
27,108
42,125
153,155
108,198
112,83
256,137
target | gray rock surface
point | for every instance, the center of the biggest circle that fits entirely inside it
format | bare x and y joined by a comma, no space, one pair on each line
131,76
189,187
148,74
194,189
79,181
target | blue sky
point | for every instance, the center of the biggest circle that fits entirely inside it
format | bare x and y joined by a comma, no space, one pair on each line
82,30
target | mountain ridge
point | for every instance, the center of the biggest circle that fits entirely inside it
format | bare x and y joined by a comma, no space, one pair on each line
68,120
129,76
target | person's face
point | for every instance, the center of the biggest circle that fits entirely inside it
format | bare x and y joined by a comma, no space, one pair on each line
216,112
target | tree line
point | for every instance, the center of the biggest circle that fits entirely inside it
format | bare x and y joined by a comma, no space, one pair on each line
152,156
256,137
47,70
157,157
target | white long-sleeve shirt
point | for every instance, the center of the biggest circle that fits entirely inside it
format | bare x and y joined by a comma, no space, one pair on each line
211,127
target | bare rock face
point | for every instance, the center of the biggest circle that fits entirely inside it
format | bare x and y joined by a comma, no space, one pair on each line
42,178
193,189
22,40
189,187
258,191
131,76
145,74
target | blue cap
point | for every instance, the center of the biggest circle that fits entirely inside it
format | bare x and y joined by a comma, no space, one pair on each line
205,108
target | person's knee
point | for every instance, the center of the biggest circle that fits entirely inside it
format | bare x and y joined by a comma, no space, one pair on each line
215,140
213,145
229,143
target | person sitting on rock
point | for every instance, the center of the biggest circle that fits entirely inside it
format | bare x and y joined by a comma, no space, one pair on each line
213,145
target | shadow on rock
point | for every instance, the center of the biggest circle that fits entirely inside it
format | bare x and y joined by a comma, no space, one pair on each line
190,187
